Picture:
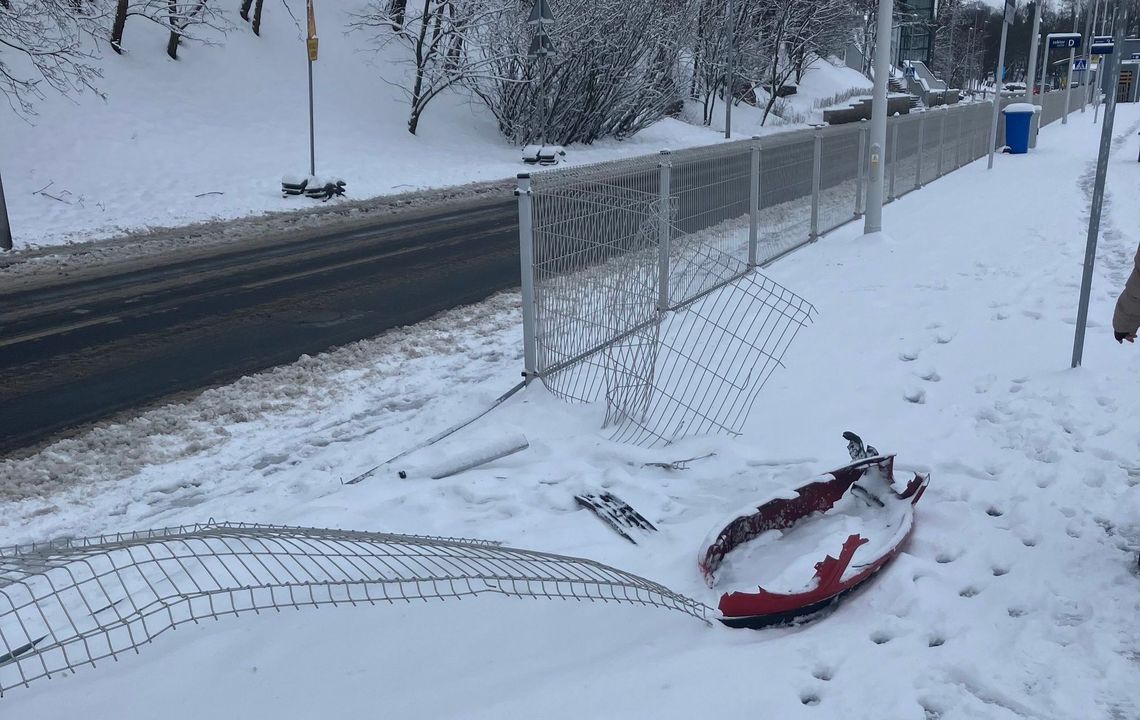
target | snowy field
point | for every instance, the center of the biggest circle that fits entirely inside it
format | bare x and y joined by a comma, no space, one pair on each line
211,135
947,342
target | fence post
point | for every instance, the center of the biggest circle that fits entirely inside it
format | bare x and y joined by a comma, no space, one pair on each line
813,234
664,220
754,203
941,140
894,155
958,141
859,175
526,262
921,140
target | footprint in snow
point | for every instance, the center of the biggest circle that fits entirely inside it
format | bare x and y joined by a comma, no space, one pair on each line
822,672
908,355
943,338
809,698
916,396
880,637
931,375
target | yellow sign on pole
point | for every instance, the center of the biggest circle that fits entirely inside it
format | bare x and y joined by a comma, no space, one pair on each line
312,41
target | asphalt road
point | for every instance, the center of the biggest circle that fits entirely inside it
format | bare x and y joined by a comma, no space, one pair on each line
76,352
82,349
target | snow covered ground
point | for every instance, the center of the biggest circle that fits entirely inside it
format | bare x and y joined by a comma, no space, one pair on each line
211,135
947,342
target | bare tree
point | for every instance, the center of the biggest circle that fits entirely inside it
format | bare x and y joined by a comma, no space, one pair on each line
444,40
616,71
48,44
185,19
798,31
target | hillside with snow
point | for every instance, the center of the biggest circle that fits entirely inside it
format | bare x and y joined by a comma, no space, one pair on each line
211,135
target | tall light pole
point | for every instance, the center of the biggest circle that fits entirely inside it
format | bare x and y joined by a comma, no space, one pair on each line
1031,77
873,219
999,75
1069,75
1089,23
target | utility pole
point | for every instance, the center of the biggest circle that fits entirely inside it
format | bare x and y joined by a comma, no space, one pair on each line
1087,54
1069,76
1098,190
873,220
999,75
1031,78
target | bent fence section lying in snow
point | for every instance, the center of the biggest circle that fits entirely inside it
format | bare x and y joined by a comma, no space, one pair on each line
73,603
609,250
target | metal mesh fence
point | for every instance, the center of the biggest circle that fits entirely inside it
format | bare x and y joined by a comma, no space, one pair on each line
905,154
74,603
840,167
616,248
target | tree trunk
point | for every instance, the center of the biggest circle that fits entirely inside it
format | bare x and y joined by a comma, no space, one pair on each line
118,26
245,5
399,13
257,17
421,62
175,30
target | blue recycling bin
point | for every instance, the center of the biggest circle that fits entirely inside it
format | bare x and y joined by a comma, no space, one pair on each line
1018,121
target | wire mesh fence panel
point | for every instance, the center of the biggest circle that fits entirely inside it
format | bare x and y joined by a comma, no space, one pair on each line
785,195
981,123
71,604
595,267
932,145
712,357
711,190
839,166
906,153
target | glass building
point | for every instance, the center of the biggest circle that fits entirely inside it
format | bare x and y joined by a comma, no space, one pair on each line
914,30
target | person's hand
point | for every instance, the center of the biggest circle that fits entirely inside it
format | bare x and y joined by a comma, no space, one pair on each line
1121,337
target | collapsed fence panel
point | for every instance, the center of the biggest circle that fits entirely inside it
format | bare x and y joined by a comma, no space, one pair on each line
74,603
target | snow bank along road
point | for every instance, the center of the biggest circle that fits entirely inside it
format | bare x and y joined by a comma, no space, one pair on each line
77,349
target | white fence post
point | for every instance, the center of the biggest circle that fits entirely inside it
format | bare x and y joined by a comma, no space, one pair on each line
941,140
921,140
815,185
664,221
754,203
526,263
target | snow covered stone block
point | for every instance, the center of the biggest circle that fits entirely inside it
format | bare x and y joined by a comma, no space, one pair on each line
294,185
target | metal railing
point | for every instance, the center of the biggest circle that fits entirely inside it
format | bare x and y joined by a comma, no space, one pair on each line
609,251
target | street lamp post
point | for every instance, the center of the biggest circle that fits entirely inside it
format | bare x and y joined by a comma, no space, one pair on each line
873,219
